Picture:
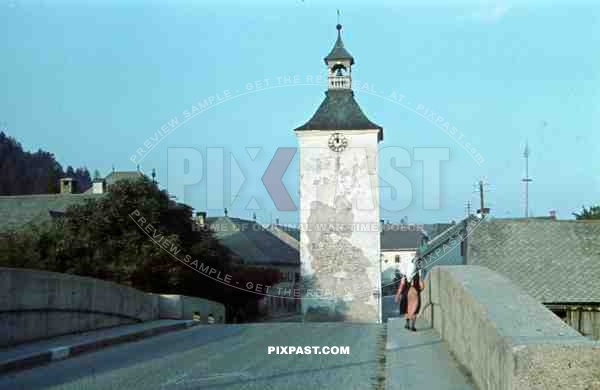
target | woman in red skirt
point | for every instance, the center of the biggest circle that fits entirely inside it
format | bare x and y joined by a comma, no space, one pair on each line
413,298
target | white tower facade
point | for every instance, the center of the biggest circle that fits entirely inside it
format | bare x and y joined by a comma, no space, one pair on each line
339,203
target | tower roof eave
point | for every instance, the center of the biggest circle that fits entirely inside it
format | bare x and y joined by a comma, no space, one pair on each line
340,111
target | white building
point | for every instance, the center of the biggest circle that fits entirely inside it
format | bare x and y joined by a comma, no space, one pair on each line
339,200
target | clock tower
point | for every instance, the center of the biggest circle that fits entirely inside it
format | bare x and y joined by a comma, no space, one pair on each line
339,203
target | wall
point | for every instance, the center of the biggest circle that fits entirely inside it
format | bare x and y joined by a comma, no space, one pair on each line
280,300
585,319
39,304
389,265
448,253
504,337
181,307
340,267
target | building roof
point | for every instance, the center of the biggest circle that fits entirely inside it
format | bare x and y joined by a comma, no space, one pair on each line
399,237
254,243
434,229
339,52
289,235
442,233
340,111
553,261
115,176
20,210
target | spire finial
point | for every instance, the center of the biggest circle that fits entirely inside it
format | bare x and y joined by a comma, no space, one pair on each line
338,26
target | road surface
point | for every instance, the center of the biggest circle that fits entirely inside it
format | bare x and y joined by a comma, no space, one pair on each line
220,357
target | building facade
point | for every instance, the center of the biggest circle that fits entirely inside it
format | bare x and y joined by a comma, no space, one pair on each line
340,248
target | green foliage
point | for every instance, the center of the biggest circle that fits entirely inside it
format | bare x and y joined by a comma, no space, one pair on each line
33,173
592,213
100,238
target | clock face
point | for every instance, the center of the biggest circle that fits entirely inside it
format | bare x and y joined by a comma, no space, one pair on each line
337,142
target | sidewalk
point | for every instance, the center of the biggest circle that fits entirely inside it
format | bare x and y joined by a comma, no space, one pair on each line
421,360
36,353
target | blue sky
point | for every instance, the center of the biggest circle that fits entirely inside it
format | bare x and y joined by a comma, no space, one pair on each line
91,83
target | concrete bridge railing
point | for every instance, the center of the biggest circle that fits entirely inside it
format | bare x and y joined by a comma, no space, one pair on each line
504,337
39,304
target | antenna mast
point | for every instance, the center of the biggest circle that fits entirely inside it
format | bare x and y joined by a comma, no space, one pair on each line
526,179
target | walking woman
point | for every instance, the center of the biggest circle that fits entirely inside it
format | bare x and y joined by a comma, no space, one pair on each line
401,298
413,298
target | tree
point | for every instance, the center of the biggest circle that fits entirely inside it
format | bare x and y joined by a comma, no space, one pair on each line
106,238
25,173
592,213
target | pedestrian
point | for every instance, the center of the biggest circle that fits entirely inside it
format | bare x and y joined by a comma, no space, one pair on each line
401,294
414,300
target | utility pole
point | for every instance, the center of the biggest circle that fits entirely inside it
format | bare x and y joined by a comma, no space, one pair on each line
481,184
482,209
526,179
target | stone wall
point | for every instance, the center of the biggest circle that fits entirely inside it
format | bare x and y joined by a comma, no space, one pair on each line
40,304
504,337
181,307
339,215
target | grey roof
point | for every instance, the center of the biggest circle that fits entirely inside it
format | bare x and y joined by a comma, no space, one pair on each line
446,232
254,243
434,229
340,111
289,235
115,176
553,261
19,210
339,52
289,230
399,237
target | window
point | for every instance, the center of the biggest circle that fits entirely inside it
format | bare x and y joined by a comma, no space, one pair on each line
397,258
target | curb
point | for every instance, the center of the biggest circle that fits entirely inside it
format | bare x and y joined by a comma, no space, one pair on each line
65,352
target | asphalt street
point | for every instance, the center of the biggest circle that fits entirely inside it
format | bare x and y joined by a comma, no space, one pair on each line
220,357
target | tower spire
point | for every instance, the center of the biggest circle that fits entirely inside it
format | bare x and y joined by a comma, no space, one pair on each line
339,63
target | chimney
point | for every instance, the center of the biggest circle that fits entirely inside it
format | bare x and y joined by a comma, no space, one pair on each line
98,186
201,218
553,214
225,211
68,185
277,221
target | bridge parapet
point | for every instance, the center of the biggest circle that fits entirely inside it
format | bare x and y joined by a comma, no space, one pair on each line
39,304
503,336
